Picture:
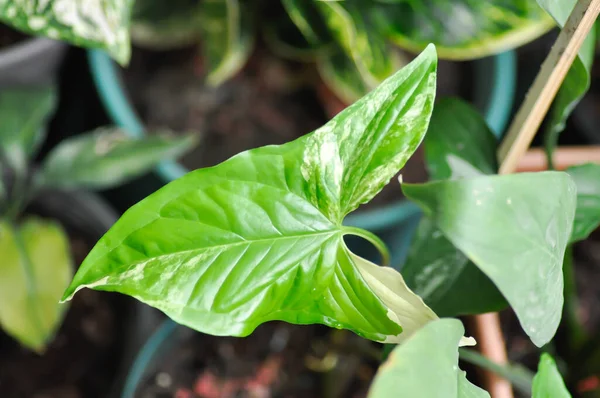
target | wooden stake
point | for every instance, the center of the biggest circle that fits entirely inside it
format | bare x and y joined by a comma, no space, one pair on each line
517,141
546,84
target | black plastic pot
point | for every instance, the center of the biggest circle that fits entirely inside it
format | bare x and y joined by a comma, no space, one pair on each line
30,62
87,215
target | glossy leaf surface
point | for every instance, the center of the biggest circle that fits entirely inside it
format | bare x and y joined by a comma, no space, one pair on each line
23,115
259,237
36,268
107,157
515,228
100,24
227,38
426,365
548,382
462,29
162,24
458,145
587,215
577,81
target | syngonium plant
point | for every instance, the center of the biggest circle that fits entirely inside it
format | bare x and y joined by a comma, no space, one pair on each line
349,40
35,257
260,237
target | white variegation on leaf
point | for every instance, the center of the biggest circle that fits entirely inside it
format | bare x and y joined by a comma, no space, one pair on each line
89,23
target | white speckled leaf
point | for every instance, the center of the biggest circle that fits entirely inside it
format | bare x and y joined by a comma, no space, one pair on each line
259,237
515,228
100,24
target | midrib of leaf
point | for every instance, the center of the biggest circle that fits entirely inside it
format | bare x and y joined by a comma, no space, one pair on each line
29,276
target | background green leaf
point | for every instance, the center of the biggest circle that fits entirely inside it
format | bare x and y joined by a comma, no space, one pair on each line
259,237
515,228
107,157
577,81
227,38
36,268
164,24
548,383
100,24
24,113
462,29
587,215
458,145
426,365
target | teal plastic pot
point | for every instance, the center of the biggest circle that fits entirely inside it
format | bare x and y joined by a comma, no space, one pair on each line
495,81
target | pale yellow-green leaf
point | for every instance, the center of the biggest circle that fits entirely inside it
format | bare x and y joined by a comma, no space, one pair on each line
35,268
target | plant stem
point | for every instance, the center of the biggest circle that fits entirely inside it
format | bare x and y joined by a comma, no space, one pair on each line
372,238
519,376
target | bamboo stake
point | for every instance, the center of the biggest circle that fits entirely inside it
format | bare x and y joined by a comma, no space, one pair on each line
546,84
518,139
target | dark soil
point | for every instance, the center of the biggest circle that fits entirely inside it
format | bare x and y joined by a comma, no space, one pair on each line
270,101
10,36
277,361
82,359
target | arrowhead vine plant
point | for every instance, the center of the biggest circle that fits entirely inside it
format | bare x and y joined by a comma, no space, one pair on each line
260,237
35,256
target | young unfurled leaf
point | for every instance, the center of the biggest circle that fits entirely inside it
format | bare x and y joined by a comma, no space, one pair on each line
547,382
23,115
259,237
462,29
577,81
36,268
164,24
426,365
227,38
515,228
587,215
107,157
100,24
458,145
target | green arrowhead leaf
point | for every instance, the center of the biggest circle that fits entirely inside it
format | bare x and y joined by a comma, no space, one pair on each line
36,268
577,81
100,24
515,228
227,38
426,365
587,215
24,113
458,145
547,382
462,29
259,237
166,24
107,157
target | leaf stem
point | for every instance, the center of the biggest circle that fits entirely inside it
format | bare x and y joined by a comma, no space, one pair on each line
519,376
373,239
